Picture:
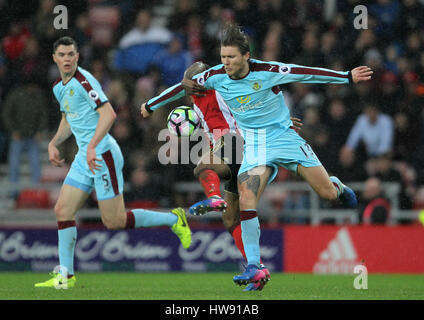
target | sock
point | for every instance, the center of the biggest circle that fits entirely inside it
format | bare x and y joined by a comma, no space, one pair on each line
210,182
236,234
67,234
337,184
138,218
250,233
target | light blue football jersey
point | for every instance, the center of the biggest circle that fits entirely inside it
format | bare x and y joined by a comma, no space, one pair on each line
256,100
79,98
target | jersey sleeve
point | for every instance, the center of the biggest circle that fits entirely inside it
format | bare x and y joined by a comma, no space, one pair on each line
288,73
171,94
93,91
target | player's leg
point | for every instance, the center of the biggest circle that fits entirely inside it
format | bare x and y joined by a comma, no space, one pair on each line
109,184
330,188
209,171
115,217
231,219
251,185
71,199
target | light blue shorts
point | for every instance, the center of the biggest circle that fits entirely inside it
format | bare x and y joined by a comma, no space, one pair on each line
275,149
108,181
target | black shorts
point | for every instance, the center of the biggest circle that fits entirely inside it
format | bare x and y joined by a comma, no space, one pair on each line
230,149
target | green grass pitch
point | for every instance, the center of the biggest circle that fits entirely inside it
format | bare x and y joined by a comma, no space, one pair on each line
211,286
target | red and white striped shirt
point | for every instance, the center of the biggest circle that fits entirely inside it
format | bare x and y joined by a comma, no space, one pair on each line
215,115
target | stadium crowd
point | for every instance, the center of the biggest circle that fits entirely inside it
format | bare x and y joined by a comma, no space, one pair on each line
372,130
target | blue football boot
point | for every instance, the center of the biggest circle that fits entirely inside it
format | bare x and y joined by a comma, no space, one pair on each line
347,196
252,274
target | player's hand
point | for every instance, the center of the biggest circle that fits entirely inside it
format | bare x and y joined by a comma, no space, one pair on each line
193,88
362,73
297,123
54,156
143,111
92,160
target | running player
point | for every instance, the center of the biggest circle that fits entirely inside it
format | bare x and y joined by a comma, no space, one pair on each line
251,90
87,114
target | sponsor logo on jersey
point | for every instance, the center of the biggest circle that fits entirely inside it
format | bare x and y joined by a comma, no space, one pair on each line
243,99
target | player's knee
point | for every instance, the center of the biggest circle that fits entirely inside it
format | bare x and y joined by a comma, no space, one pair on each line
61,212
229,222
114,224
247,200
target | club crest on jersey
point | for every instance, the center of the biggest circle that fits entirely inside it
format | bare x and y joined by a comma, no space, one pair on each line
284,69
243,99
71,92
256,86
93,95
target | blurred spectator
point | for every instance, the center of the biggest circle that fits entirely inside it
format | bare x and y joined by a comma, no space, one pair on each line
386,13
142,187
14,42
374,129
43,27
407,129
337,120
310,54
311,122
388,94
24,117
247,15
195,36
30,64
374,207
100,71
173,61
411,17
182,11
139,46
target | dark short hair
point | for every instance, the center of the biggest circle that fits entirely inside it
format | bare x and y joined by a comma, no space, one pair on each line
66,41
194,69
233,36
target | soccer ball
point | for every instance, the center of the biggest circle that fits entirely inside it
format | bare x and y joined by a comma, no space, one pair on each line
183,121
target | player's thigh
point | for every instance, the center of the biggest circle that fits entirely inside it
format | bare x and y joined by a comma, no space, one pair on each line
231,216
317,177
113,212
251,185
70,200
213,162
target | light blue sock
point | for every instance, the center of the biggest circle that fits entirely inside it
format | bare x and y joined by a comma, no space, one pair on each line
250,234
147,218
67,239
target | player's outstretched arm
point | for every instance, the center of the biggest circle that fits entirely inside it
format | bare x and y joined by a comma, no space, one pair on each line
171,94
362,73
63,132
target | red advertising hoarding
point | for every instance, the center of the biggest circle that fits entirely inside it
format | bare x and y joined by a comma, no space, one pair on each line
338,249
